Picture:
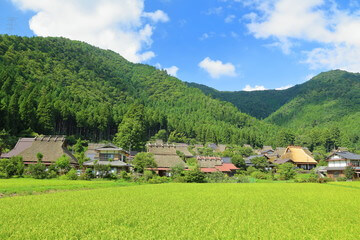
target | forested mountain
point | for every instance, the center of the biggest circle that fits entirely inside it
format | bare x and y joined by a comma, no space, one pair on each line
59,86
259,104
324,111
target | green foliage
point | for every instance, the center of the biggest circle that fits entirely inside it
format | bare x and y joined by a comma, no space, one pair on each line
63,163
239,162
38,170
39,157
286,171
102,170
131,131
142,161
177,170
194,176
11,167
71,175
260,163
162,135
349,172
217,177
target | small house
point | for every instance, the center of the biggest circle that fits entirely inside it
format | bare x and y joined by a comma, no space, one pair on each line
51,147
338,161
216,164
107,154
300,156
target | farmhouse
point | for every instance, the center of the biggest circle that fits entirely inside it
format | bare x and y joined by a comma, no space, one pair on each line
216,164
300,156
51,147
167,156
338,161
107,154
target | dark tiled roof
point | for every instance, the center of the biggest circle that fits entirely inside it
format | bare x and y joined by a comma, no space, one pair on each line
349,155
226,159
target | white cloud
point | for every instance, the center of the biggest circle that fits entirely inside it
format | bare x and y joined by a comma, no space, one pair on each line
121,26
217,68
230,18
214,11
284,87
157,16
313,21
248,88
172,70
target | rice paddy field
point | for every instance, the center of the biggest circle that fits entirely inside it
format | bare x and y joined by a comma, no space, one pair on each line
187,211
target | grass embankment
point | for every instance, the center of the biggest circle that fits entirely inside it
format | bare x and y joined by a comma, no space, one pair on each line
187,211
27,186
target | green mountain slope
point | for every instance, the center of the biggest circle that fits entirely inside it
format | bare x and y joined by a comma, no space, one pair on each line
58,86
329,98
259,104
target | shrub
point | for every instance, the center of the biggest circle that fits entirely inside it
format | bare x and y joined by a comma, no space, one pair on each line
341,179
286,171
158,179
259,175
240,178
349,172
148,175
217,177
52,174
71,175
142,161
63,163
38,171
195,175
325,180
11,167
125,175
250,170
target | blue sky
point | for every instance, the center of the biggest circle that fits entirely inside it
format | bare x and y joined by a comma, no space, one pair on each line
226,44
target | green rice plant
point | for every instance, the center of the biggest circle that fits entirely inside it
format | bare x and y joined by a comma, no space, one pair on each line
187,211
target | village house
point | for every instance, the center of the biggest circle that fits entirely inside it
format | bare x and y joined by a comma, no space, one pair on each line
216,164
167,156
51,147
338,161
107,154
300,156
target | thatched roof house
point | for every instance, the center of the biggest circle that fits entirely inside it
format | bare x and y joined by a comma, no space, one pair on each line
302,157
51,147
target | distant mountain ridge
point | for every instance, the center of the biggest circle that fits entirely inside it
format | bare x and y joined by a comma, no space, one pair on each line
259,104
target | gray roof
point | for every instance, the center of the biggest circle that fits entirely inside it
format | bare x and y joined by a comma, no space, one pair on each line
335,168
111,163
348,155
226,159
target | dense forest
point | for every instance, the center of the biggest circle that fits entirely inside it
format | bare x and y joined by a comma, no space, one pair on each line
59,86
323,113
259,104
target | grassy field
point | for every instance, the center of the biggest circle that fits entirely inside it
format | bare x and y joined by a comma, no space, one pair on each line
187,211
25,186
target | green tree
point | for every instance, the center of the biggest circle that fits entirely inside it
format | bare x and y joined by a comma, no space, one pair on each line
239,162
45,115
131,131
286,171
39,157
63,163
195,176
349,172
260,163
142,161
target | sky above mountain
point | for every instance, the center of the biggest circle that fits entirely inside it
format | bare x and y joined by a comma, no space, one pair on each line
225,44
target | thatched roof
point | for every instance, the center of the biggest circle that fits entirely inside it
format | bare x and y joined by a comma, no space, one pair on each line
168,149
51,147
298,155
169,161
208,162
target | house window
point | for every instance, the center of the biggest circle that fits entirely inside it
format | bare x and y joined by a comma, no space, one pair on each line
106,156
